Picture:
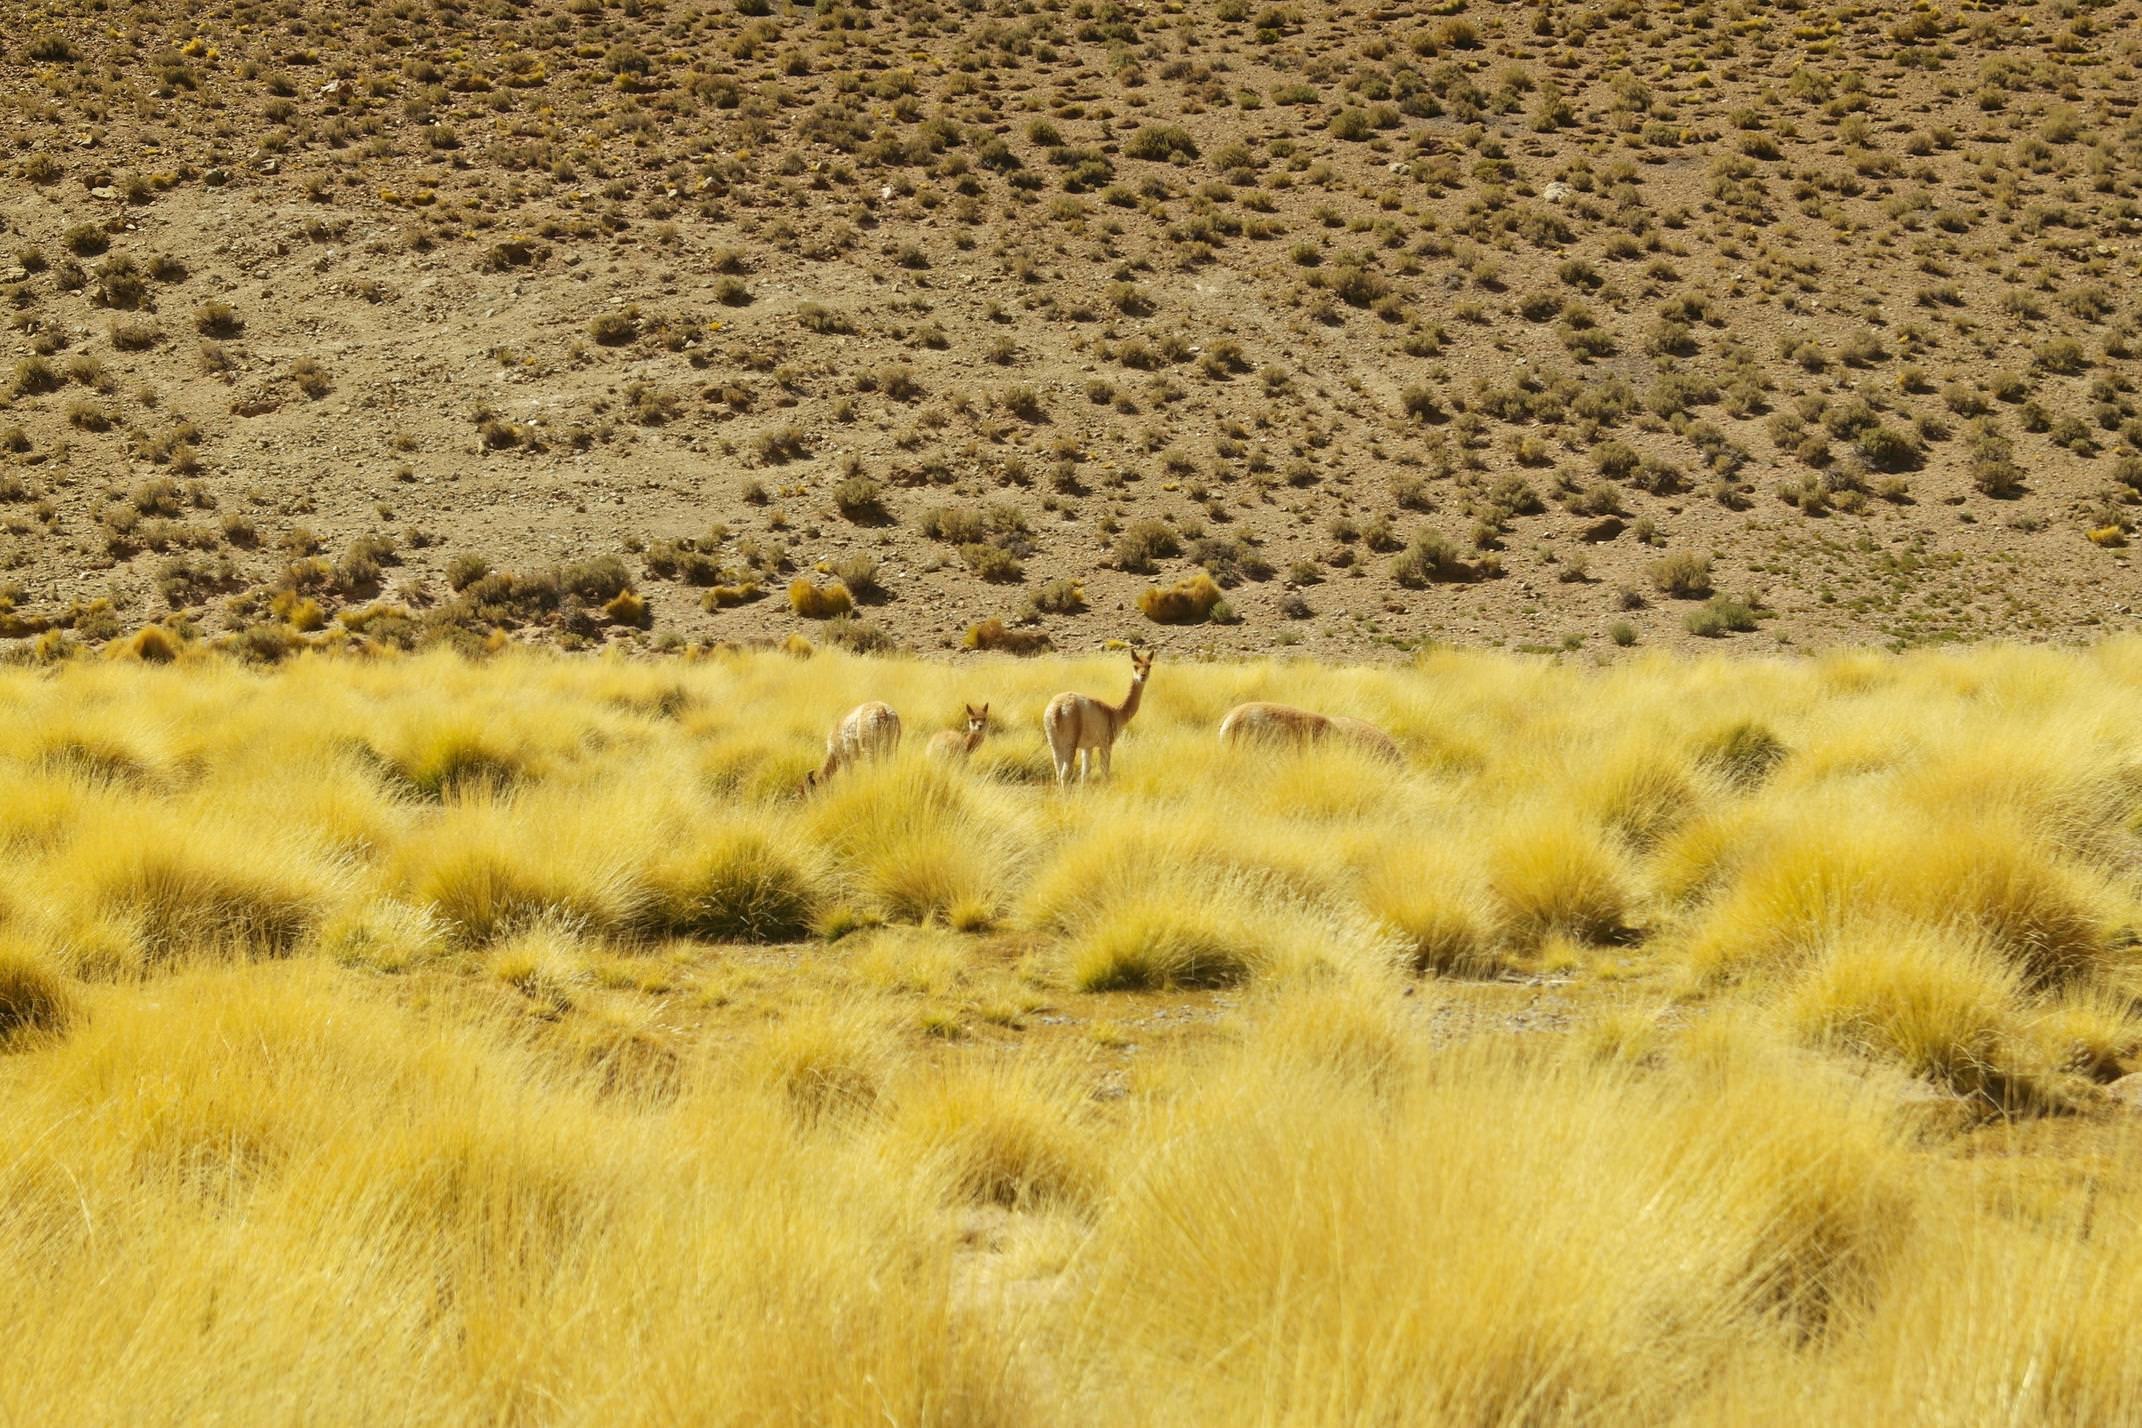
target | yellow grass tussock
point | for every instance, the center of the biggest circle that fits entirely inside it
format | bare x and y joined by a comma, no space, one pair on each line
35,996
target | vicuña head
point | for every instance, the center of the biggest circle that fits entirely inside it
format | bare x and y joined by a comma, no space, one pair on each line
1082,728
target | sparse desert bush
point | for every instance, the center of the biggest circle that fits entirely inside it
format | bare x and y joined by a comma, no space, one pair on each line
859,573
815,601
860,498
311,378
994,635
35,376
992,562
782,444
1186,602
1722,614
217,319
1059,597
1161,141
615,329
1684,574
465,570
1142,544
858,636
1993,466
602,578
1431,558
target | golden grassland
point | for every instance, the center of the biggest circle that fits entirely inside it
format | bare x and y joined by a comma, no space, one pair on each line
416,1040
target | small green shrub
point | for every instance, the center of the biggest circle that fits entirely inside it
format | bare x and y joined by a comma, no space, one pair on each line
1683,574
1161,142
1142,544
1431,558
1059,597
1721,614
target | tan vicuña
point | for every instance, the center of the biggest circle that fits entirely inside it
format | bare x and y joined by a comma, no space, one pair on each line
958,743
869,730
1082,727
1265,722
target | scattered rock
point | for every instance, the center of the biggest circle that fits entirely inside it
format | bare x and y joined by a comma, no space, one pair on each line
256,400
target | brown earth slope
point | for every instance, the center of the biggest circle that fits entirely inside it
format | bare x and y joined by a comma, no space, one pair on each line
1530,324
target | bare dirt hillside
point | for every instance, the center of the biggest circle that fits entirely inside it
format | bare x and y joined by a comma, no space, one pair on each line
1549,325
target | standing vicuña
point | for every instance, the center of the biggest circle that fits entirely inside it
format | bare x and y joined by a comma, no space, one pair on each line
870,731
1080,726
1284,724
958,743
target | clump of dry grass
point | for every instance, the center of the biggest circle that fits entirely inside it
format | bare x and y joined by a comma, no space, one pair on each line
737,885
1361,1205
384,934
35,998
917,838
1437,906
1005,1132
815,601
489,867
826,1061
172,890
1942,1005
1551,874
1186,602
1819,869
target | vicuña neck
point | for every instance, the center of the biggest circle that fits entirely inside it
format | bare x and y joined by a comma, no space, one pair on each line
1130,701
